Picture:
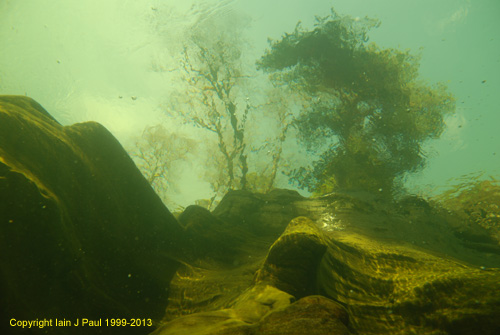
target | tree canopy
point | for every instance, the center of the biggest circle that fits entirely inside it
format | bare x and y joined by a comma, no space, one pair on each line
368,99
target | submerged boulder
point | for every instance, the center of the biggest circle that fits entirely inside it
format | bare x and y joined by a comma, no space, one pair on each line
269,305
312,315
292,262
82,234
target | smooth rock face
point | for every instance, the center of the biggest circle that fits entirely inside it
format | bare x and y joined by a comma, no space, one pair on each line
82,234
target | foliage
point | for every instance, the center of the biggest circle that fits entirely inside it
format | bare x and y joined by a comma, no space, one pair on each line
156,151
366,98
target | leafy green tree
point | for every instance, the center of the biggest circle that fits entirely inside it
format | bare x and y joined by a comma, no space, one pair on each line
365,101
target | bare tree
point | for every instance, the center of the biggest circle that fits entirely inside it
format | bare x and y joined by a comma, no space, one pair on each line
214,100
221,92
155,152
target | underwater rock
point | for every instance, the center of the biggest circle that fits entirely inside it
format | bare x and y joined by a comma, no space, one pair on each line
388,269
221,322
312,315
265,311
259,301
259,213
267,306
209,237
292,262
82,234
391,287
232,249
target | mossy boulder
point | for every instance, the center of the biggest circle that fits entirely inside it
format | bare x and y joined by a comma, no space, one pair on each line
82,234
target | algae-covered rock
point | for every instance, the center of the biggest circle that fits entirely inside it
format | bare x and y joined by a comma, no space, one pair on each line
390,287
268,305
292,262
386,268
212,238
312,315
82,234
315,315
260,300
259,213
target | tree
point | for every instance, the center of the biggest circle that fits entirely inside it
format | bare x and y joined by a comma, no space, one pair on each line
212,69
368,100
222,95
156,152
276,117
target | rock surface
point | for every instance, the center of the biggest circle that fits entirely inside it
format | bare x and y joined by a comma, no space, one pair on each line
82,235
292,262
390,269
